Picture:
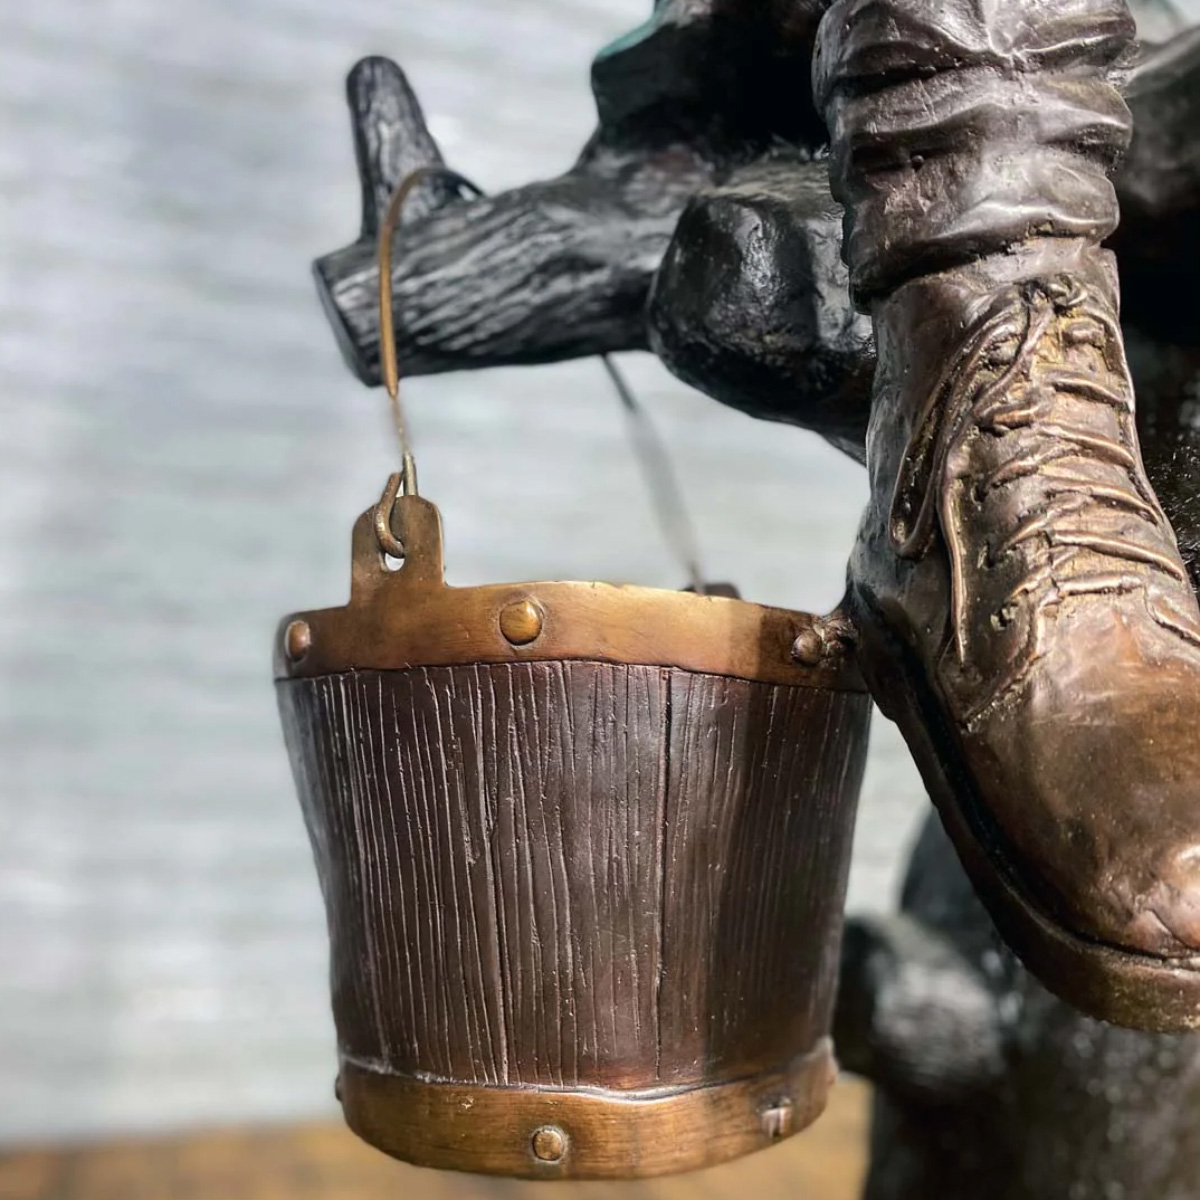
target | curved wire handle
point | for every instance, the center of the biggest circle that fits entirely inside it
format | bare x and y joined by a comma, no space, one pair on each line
404,483
655,462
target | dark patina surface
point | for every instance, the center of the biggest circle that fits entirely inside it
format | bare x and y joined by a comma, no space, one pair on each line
989,1086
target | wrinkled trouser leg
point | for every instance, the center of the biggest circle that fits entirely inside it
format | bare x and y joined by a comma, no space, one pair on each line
962,128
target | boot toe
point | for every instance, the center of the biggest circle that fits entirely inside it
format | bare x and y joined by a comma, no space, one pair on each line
1169,924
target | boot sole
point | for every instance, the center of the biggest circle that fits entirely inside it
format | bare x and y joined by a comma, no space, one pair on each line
1138,991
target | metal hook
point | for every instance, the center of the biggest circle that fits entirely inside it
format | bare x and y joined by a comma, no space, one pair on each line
402,483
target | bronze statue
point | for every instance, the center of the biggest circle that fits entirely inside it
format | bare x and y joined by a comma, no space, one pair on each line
1025,615
661,139
583,848
699,223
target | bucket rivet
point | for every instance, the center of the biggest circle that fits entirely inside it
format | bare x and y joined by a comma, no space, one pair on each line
549,1144
521,622
809,648
777,1120
297,641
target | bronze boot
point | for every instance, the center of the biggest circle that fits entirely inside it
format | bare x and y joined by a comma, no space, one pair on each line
1025,613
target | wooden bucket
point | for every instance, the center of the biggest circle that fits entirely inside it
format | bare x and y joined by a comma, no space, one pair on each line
584,852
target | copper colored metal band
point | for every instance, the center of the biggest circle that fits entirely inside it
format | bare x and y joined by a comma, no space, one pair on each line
545,1134
410,618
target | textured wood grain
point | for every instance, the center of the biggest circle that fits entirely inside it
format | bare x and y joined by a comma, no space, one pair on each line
760,810
577,874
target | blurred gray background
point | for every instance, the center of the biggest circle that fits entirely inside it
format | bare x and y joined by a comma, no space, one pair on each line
181,458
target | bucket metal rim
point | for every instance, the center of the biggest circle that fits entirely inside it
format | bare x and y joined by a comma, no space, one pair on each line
404,615
552,1134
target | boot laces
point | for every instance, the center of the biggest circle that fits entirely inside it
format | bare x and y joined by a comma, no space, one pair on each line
1003,385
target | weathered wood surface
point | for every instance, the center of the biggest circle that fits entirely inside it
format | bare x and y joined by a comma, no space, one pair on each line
577,874
567,267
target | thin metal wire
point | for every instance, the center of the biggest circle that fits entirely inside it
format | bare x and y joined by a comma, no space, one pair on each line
657,470
387,314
